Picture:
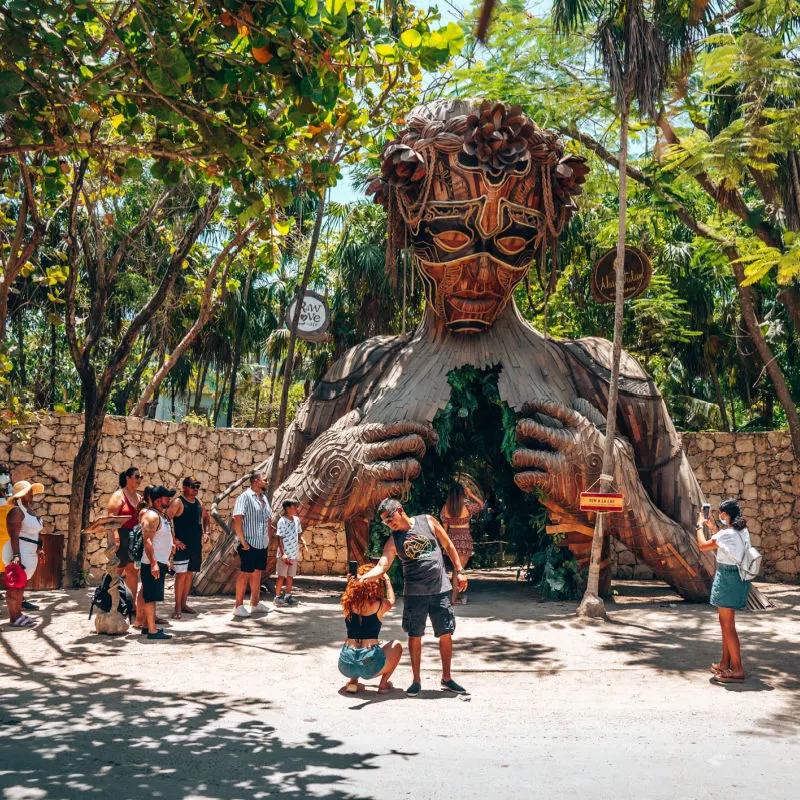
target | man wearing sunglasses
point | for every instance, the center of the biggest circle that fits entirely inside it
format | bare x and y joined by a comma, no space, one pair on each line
418,542
191,522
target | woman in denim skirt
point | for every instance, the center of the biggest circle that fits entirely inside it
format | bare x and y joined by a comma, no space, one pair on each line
728,592
362,655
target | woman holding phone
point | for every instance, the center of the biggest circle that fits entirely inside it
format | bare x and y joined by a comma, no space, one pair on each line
363,656
728,592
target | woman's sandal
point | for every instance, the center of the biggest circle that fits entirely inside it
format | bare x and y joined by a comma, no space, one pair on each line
23,621
352,688
717,668
386,688
726,677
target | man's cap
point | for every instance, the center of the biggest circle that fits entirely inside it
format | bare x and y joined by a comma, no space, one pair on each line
192,481
158,492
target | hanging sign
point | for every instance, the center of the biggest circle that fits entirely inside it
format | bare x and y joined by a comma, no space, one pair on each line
315,317
638,272
597,501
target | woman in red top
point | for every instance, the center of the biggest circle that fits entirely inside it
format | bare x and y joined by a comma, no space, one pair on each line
456,515
125,502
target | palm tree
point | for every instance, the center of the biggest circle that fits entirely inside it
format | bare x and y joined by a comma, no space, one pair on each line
638,43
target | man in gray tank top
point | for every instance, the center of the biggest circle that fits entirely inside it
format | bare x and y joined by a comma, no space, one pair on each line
418,542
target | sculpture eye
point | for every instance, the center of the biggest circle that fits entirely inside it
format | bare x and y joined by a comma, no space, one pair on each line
511,245
451,240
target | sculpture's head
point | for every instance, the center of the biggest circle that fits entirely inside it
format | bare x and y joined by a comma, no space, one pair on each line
477,191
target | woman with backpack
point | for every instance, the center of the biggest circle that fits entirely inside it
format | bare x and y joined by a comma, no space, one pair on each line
729,591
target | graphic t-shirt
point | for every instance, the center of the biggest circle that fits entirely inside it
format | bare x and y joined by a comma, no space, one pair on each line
289,531
422,559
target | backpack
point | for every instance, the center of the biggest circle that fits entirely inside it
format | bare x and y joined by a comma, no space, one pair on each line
102,598
750,564
136,543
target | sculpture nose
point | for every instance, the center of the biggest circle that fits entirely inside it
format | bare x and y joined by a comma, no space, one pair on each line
478,269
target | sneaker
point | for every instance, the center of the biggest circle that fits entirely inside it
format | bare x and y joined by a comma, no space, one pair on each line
280,600
452,686
414,689
261,608
28,606
144,631
160,635
241,611
290,601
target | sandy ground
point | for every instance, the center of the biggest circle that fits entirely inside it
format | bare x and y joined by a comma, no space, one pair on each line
251,709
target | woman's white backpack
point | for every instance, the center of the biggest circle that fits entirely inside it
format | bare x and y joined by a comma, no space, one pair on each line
750,563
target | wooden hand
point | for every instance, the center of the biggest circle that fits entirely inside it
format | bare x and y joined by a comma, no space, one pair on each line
353,466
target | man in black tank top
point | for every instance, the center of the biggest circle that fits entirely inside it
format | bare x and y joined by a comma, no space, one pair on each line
418,542
190,522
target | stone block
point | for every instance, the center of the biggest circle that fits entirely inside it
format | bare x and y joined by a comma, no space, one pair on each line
736,473
149,426
746,460
20,454
787,456
626,558
724,451
744,444
329,553
749,477
642,572
705,443
731,486
786,567
624,573
226,477
716,474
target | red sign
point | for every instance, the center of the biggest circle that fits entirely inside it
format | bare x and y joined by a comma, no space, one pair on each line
596,501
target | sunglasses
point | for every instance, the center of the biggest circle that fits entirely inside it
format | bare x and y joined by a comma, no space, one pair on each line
386,520
192,485
136,477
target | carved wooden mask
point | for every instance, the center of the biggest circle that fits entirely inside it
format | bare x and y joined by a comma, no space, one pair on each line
479,195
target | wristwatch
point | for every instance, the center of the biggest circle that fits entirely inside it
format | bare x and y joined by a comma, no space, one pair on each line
461,572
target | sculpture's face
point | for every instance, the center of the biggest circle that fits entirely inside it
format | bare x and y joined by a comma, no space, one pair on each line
475,241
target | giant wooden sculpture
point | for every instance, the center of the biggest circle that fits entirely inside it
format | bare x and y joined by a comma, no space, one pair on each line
477,192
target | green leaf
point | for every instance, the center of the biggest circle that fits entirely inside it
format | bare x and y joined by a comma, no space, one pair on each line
411,39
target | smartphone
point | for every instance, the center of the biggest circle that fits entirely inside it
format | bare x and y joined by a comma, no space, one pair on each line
706,510
352,568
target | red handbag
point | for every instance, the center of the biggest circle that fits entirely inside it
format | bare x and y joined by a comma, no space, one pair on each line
16,577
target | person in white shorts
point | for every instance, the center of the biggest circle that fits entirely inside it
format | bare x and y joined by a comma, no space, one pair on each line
289,540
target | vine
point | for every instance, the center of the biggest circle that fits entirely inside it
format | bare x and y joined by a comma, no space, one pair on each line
477,436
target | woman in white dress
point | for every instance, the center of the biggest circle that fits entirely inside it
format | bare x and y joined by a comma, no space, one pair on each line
24,546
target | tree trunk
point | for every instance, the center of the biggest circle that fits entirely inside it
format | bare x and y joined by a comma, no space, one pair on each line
765,352
83,481
207,309
220,397
718,392
201,382
21,365
272,378
287,375
592,605
52,390
237,343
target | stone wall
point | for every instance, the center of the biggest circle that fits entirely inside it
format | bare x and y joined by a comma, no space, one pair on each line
758,468
165,452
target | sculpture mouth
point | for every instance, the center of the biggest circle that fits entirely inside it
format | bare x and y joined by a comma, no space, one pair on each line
473,303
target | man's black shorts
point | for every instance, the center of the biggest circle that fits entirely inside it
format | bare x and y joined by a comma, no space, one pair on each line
194,557
417,608
253,560
153,588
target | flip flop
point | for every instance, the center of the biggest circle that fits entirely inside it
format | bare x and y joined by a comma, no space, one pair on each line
23,621
721,677
717,668
351,688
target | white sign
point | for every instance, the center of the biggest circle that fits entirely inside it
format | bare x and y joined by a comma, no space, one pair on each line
315,317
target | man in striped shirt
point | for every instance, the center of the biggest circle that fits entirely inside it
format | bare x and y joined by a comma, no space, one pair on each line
251,516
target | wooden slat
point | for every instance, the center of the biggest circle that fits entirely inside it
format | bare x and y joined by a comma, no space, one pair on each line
570,527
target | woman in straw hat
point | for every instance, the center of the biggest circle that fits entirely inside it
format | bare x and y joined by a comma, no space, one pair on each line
24,546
